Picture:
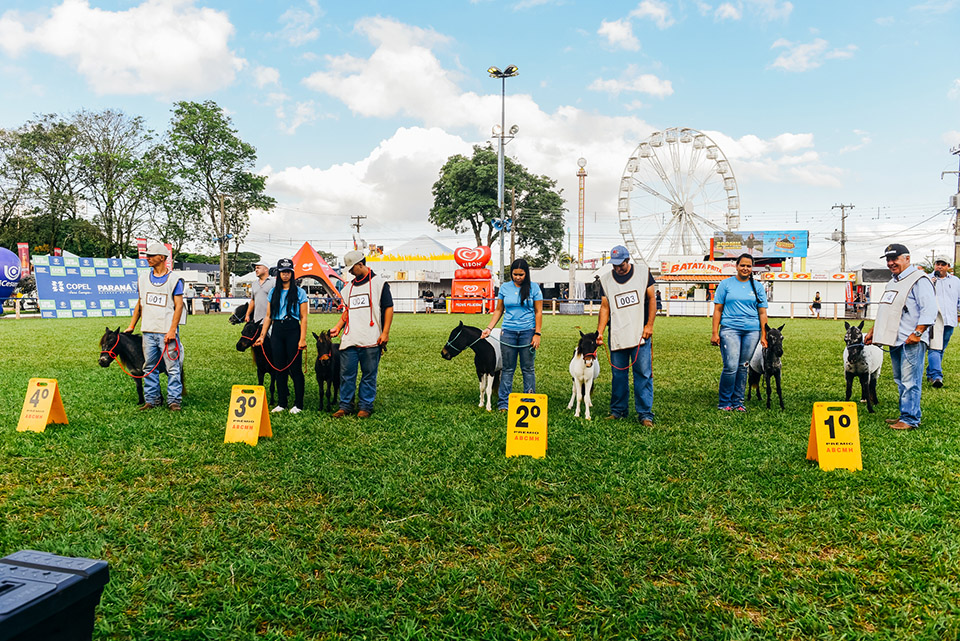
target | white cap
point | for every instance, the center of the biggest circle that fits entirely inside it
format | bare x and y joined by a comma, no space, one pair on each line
351,258
942,259
158,249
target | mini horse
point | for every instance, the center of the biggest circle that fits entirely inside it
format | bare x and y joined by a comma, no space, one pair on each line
862,361
766,363
486,356
248,336
584,369
327,369
239,314
129,349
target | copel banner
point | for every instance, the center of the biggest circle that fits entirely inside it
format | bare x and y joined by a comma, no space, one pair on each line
72,287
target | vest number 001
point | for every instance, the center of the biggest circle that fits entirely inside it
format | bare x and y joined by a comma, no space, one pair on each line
843,420
244,402
40,393
524,412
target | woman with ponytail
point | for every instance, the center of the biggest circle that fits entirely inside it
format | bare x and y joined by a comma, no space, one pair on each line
520,303
287,313
739,321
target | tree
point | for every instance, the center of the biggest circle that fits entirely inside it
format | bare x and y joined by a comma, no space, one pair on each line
213,165
465,197
14,178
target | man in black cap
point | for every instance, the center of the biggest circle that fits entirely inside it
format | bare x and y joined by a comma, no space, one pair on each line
907,316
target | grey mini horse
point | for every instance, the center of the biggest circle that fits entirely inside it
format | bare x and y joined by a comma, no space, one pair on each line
863,362
766,363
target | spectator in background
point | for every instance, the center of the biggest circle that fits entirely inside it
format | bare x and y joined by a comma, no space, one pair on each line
947,288
259,293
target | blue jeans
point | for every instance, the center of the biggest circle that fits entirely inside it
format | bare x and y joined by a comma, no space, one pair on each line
620,361
508,354
736,348
907,362
935,357
153,345
368,360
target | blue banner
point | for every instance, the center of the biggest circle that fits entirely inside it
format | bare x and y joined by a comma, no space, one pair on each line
762,244
71,287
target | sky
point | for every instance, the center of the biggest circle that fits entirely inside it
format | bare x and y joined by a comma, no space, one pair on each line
354,107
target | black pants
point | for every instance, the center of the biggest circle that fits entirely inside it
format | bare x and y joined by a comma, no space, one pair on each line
284,341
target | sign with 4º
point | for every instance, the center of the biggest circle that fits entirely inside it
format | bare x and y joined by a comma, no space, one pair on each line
527,425
248,417
835,436
41,406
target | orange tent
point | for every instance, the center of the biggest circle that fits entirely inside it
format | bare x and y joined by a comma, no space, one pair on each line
307,262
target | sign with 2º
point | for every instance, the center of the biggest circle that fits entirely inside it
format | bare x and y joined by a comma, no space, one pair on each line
248,417
834,439
527,425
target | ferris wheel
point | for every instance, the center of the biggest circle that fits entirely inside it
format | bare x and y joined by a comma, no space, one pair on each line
677,189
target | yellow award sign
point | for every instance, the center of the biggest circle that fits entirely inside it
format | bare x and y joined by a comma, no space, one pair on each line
41,406
248,417
834,439
527,425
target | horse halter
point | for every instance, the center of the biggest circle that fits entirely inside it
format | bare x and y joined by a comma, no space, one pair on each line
460,350
110,352
249,338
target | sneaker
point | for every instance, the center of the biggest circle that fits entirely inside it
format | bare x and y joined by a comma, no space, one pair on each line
340,413
900,425
739,408
295,410
891,421
938,383
174,407
726,408
363,414
278,409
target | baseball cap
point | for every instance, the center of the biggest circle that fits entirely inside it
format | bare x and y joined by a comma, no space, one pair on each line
261,262
618,254
351,258
942,259
284,265
158,249
895,249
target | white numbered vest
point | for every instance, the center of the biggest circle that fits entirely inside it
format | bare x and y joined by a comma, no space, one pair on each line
363,313
626,307
890,310
156,303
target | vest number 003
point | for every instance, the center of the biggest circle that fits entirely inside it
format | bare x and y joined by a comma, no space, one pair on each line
244,402
843,420
40,393
524,412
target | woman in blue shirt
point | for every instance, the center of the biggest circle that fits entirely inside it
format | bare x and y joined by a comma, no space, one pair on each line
287,313
520,303
739,321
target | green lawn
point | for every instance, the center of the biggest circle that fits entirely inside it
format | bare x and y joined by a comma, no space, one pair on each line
412,524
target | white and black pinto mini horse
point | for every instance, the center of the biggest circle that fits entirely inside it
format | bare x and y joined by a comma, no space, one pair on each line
248,336
129,349
862,361
766,363
486,357
584,369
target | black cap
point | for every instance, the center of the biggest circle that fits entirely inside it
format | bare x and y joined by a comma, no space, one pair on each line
894,250
284,265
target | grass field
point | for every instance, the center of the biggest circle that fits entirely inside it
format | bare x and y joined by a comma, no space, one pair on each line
413,525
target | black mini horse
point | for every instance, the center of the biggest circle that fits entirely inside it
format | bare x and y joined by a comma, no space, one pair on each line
327,369
766,363
129,349
239,314
486,357
248,337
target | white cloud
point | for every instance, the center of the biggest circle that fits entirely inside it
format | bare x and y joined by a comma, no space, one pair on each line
298,24
885,21
771,9
633,80
263,76
801,57
704,8
303,113
619,33
865,140
951,137
935,6
161,47
954,92
727,11
655,10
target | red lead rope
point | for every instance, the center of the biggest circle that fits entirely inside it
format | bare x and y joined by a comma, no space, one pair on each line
636,356
113,355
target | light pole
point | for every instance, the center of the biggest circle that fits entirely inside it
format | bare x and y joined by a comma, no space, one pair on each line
501,134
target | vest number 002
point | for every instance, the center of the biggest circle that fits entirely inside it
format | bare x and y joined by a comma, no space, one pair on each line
843,420
524,412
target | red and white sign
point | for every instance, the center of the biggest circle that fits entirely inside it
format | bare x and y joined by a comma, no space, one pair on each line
472,258
23,251
694,268
141,248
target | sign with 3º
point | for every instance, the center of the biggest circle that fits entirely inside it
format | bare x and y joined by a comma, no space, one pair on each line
41,406
527,425
248,417
835,437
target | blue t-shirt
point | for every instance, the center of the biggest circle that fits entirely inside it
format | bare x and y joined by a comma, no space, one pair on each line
154,279
281,312
517,317
740,303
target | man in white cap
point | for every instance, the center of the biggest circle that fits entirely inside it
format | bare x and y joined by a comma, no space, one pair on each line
947,287
367,320
631,288
159,308
908,321
259,291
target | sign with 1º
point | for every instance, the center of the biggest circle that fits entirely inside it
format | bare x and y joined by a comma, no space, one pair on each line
835,436
248,417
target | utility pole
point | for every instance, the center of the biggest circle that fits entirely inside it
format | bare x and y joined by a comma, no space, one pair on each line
955,203
513,224
357,224
843,234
